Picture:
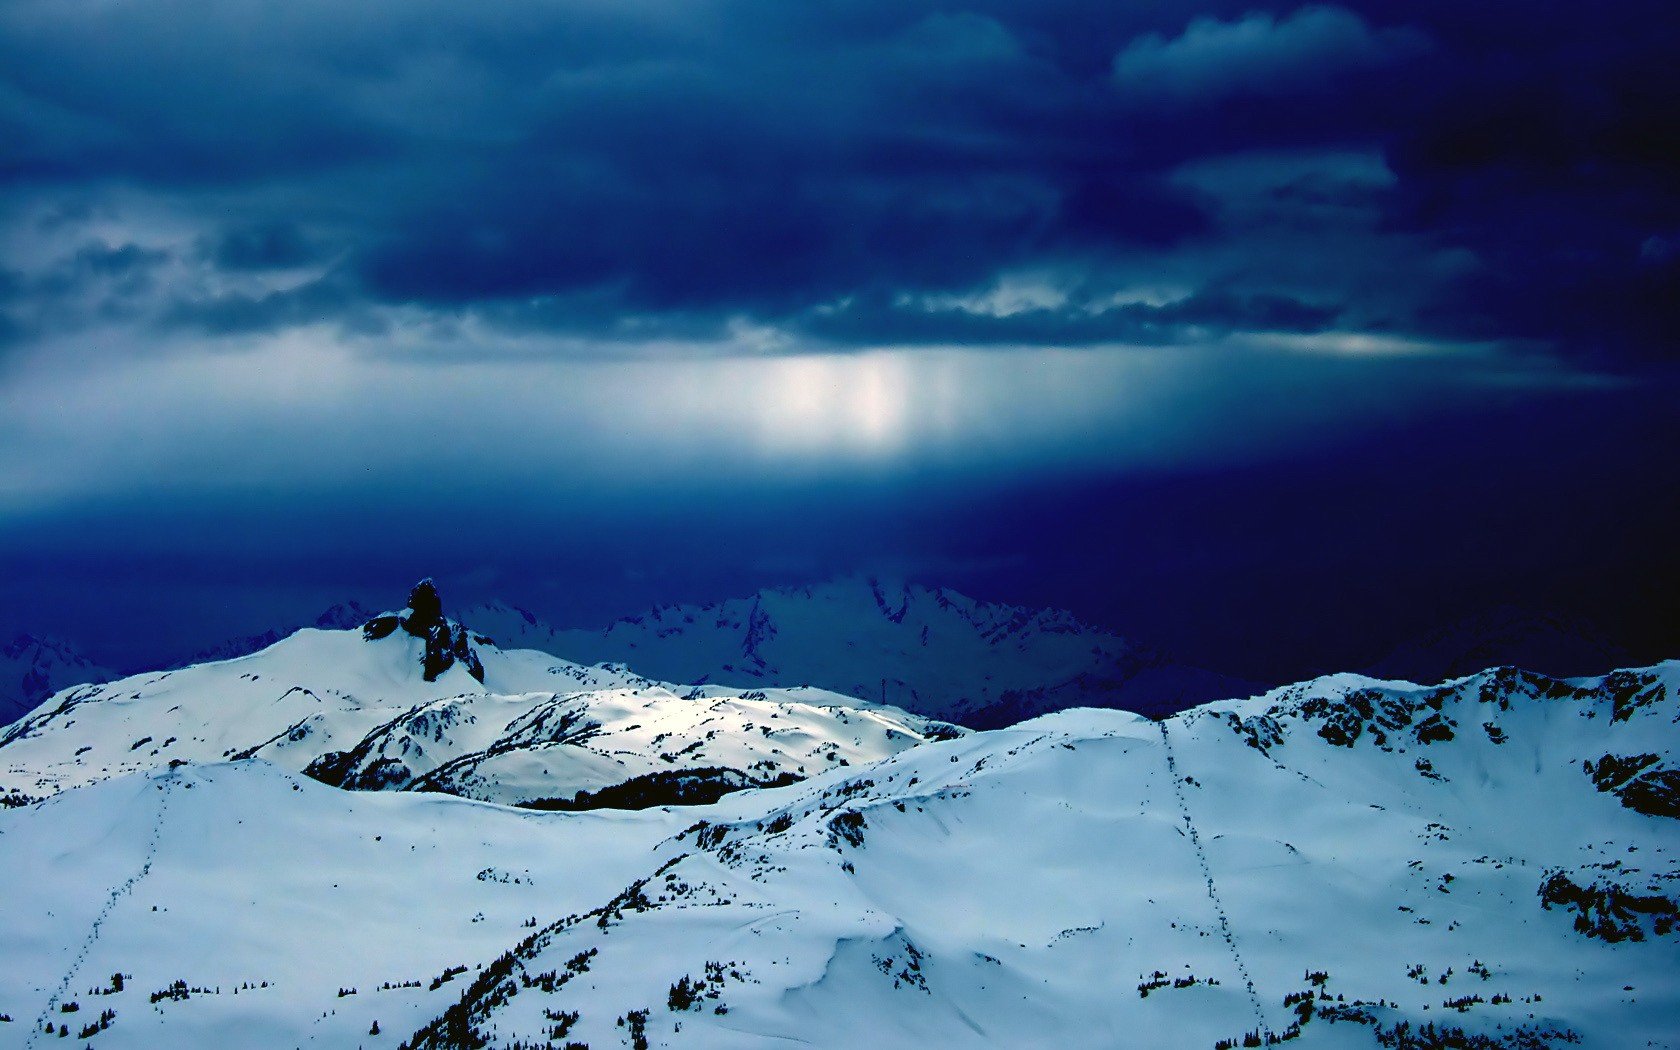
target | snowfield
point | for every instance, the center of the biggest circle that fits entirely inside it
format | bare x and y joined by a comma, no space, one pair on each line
1345,863
266,892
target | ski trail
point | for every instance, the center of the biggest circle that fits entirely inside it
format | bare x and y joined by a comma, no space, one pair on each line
167,783
1212,890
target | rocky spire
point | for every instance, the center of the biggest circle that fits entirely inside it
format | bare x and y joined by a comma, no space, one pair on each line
447,642
424,605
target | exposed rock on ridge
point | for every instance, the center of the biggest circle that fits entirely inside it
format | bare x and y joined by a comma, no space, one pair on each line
447,642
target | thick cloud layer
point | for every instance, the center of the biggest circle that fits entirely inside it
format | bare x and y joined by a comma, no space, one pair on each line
615,265
611,170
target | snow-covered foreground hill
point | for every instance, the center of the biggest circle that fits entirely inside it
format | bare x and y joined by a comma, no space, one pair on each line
927,650
436,707
265,893
1346,863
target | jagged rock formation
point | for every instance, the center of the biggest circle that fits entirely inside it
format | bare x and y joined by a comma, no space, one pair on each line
447,642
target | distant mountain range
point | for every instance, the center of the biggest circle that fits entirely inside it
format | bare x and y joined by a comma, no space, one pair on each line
33,668
928,650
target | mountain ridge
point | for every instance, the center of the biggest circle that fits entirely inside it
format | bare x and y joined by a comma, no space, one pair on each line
1341,863
413,700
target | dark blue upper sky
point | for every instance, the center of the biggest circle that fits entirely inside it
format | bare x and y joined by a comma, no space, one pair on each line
1272,332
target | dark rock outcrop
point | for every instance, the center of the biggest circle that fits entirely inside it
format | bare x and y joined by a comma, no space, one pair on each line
447,642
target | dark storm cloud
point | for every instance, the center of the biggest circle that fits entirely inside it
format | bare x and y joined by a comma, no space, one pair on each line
731,158
234,312
95,283
1203,315
271,246
516,284
1260,55
1557,160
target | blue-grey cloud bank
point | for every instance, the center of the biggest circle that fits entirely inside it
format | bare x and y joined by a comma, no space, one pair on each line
1260,309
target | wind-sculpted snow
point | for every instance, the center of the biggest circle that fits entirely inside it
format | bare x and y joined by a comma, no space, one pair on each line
1345,863
418,702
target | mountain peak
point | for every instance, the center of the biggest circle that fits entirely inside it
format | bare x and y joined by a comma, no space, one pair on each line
424,603
447,642
344,616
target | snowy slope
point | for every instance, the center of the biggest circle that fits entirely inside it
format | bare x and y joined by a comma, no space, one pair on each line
928,650
265,893
32,669
343,616
365,712
647,739
1498,858
1417,855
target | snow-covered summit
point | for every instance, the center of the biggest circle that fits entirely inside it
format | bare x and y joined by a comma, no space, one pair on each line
448,644
412,699
1487,863
930,650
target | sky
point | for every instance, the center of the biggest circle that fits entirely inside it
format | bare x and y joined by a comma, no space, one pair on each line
1273,334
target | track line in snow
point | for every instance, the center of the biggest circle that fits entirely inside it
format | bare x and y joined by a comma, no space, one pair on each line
1207,874
117,893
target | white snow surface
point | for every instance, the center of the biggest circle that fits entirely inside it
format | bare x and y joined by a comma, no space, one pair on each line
537,728
1087,879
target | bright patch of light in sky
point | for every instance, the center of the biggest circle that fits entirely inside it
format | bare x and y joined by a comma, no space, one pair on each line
306,411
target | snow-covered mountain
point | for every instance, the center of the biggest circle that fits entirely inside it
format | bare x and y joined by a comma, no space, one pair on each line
927,650
33,668
1489,863
414,700
512,627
